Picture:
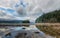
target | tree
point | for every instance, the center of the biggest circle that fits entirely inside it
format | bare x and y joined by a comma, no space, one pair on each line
49,17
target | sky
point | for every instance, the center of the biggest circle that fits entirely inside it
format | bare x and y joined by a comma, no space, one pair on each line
27,9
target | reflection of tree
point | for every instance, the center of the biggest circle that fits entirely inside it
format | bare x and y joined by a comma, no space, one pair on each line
26,21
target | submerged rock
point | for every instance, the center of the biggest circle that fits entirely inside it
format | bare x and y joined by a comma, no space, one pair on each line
24,32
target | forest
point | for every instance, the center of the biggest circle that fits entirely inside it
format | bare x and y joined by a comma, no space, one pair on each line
51,17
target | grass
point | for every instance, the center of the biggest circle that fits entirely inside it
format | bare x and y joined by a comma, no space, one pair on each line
51,30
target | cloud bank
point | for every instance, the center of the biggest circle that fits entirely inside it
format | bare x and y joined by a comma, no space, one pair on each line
28,9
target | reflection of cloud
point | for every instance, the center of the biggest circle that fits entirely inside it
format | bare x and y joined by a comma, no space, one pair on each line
33,9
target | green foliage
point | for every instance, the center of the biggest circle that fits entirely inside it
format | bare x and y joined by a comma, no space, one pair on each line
52,17
26,21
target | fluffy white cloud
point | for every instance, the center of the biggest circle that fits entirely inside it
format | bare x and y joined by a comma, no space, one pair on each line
8,3
31,8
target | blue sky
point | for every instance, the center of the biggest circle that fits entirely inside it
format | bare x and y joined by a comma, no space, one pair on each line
32,8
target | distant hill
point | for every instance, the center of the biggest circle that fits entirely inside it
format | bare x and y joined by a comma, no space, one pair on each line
14,21
51,17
